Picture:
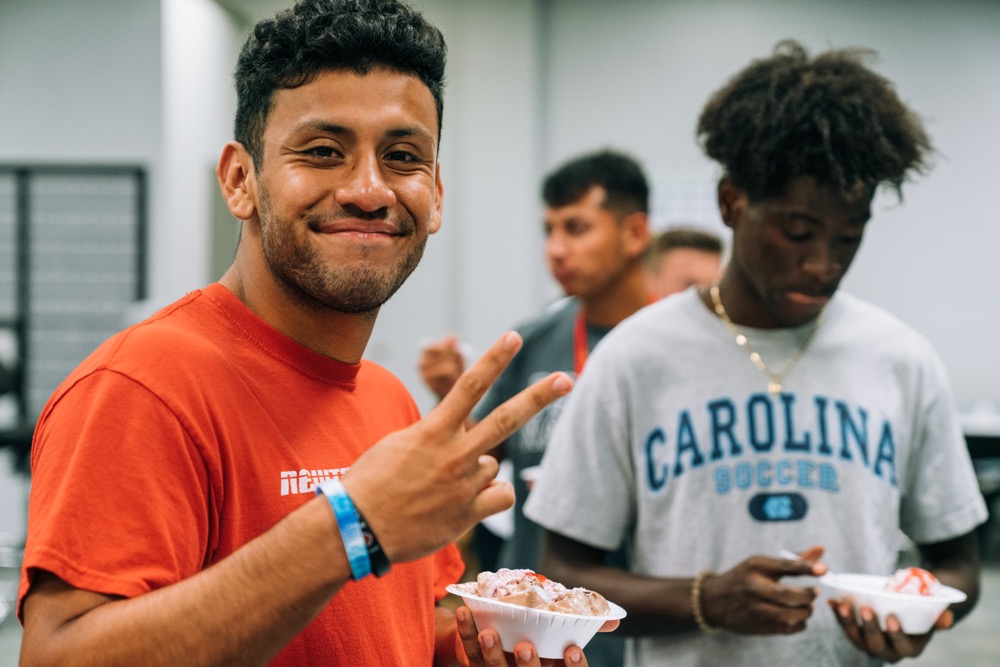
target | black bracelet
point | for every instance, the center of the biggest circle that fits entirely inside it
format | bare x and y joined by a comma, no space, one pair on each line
380,562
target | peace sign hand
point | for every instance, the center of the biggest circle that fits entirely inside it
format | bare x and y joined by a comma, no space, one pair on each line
422,487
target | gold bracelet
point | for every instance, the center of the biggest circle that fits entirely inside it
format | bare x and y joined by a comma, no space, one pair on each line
696,602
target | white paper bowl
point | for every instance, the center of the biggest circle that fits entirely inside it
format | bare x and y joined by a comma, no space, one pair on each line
551,632
916,613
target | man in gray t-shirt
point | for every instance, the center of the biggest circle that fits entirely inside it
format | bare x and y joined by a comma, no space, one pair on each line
715,429
597,233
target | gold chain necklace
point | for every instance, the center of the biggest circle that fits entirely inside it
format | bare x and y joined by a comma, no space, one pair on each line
774,379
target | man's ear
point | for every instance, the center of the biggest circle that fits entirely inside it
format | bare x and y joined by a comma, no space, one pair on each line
435,222
636,233
237,180
733,202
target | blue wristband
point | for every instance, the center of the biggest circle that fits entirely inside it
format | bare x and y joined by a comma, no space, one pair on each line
350,529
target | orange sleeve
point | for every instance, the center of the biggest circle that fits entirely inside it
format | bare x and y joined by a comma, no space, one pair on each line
118,476
448,569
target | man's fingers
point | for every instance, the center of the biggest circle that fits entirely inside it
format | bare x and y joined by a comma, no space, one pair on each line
814,552
457,404
454,409
469,636
899,643
488,468
610,625
513,414
777,567
492,652
782,595
844,612
874,639
484,649
496,497
574,656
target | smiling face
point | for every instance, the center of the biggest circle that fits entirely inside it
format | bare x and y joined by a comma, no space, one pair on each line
348,188
588,247
790,252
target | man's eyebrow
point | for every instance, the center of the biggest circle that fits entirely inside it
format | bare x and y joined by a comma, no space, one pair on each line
341,130
807,217
411,131
816,220
323,126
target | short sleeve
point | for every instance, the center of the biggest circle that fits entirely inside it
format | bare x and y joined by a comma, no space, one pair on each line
585,488
120,500
949,503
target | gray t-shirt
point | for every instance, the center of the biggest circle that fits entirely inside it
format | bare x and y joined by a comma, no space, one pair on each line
547,347
671,445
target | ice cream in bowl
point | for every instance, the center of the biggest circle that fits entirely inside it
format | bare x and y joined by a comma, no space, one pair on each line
524,605
912,594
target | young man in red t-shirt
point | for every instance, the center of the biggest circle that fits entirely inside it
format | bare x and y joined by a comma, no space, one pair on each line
215,484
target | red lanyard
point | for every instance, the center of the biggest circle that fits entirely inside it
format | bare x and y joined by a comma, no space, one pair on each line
580,348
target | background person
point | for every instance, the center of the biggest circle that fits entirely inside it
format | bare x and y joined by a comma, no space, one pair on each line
597,232
770,411
203,484
680,257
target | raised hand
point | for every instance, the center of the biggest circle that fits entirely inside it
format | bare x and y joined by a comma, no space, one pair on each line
440,365
423,486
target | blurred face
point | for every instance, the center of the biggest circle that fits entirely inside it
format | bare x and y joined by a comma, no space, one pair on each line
349,187
588,248
680,268
789,252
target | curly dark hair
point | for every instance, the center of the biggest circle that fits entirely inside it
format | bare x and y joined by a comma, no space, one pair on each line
829,117
625,186
315,36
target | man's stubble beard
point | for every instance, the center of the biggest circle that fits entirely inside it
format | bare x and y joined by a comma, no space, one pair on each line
308,279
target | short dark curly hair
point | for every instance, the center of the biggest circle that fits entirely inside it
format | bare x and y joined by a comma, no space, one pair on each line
315,36
829,117
626,189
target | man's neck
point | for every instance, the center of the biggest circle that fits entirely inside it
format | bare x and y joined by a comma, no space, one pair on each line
613,305
339,336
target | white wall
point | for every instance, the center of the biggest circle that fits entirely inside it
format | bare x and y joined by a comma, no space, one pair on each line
138,81
134,81
79,82
199,40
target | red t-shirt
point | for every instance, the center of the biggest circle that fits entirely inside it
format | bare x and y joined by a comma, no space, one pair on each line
184,437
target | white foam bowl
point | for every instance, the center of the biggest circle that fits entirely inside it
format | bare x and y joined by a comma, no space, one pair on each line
916,613
551,632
